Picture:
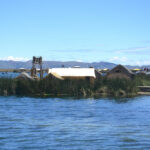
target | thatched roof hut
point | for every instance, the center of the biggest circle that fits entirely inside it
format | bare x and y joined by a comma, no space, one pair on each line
98,74
54,76
74,73
24,76
120,72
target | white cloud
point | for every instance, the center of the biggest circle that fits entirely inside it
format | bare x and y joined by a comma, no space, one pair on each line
14,58
126,61
117,59
134,50
141,63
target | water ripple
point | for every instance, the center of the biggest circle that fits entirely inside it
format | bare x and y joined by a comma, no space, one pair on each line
74,124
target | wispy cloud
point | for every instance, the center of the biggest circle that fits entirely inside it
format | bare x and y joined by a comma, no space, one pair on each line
146,41
117,59
141,63
14,58
134,50
127,61
70,50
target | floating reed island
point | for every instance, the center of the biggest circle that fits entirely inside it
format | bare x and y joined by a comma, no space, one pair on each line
86,82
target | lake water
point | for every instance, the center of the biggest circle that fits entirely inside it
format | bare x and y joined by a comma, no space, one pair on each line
14,75
74,124
8,74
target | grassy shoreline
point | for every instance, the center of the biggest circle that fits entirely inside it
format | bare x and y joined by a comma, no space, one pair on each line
47,88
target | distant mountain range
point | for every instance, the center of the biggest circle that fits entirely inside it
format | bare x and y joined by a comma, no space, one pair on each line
55,64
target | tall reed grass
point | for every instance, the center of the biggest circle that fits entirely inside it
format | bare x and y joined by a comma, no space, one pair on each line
72,87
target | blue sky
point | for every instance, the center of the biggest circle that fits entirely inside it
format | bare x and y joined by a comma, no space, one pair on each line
83,30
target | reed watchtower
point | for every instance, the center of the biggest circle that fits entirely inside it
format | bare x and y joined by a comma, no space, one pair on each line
36,61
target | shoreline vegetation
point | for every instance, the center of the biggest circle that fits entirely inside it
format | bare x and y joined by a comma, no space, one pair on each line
47,87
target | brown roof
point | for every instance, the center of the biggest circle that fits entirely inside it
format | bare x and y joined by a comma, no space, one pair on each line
121,67
120,71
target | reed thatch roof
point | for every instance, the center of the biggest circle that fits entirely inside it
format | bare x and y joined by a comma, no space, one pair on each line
73,72
54,75
24,76
120,71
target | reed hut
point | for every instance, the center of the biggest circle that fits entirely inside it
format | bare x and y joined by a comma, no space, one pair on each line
54,76
120,72
75,73
24,76
98,74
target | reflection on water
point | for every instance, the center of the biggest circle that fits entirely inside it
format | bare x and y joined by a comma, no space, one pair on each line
74,124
